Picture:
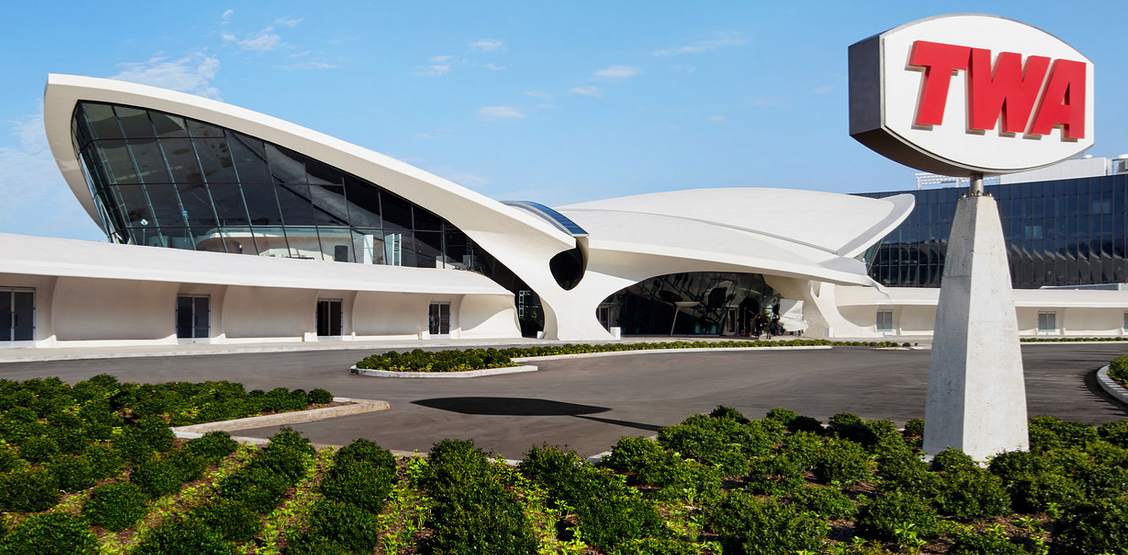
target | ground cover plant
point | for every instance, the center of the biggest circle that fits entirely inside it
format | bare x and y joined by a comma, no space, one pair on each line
718,483
461,360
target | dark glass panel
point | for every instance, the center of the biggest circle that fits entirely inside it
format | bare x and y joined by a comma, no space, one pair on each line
134,122
197,203
429,249
285,166
322,173
368,245
228,202
150,161
135,205
215,159
364,203
115,157
91,156
336,243
426,220
166,205
397,211
250,163
23,317
201,129
262,205
184,317
407,254
178,238
182,161
102,121
295,205
169,126
79,129
149,236
329,207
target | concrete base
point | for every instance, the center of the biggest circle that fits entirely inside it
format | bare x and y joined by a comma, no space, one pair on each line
976,395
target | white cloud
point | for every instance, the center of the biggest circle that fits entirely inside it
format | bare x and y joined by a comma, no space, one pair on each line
263,41
726,39
437,69
494,67
226,15
491,113
288,22
464,178
776,101
716,118
546,106
441,59
424,136
538,94
487,45
688,69
191,74
311,65
824,89
590,90
617,72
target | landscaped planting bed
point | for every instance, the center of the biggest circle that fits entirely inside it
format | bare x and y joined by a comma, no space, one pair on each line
714,484
461,360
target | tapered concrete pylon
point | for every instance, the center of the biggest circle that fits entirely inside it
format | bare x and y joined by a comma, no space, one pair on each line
976,395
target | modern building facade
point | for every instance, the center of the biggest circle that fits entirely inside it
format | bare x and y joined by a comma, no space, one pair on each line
226,225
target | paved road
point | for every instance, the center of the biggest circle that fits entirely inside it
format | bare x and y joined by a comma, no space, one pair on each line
588,403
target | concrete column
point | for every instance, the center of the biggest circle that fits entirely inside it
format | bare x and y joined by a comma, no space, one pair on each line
976,395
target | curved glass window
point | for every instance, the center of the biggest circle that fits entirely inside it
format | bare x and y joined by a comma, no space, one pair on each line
165,180
698,303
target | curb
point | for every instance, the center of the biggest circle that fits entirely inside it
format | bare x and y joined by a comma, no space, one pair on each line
1110,386
440,375
690,350
359,406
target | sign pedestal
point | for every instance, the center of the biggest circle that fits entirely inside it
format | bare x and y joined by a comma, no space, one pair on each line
976,394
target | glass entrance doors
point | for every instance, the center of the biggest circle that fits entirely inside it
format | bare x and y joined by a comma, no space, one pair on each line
193,317
329,320
438,319
17,316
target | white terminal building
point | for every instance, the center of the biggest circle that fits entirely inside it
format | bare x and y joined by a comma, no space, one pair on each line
338,243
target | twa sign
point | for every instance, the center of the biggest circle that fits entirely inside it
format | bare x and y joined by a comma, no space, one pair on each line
966,93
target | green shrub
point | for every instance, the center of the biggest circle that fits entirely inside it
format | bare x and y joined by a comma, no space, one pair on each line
728,412
953,460
1115,433
725,441
914,428
72,473
851,427
1100,526
261,489
989,542
1039,492
232,520
363,484
891,516
606,522
287,438
843,462
347,525
289,463
50,534
765,527
803,448
213,446
183,536
39,450
9,459
1049,432
115,506
157,477
905,471
190,466
70,441
154,432
805,424
1012,465
827,503
782,415
652,546
632,454
28,491
364,450
105,461
320,397
972,495
1098,480
303,543
774,475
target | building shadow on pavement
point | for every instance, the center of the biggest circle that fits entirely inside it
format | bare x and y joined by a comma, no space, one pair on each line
521,406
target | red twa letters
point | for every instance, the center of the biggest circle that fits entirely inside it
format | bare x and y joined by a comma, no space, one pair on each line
1008,89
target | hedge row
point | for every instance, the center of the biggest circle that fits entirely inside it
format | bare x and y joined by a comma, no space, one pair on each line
1118,370
419,360
353,492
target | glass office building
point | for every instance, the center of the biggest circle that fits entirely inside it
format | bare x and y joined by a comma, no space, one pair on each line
1065,232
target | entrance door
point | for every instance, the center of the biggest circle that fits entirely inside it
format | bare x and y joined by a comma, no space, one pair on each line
603,313
438,319
17,312
329,317
193,317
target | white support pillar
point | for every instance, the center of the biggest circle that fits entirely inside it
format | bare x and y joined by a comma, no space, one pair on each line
976,395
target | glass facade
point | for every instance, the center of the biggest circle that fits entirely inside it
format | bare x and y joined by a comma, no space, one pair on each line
162,180
698,303
1058,233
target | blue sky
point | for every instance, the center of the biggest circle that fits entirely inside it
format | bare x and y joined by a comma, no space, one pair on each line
556,102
